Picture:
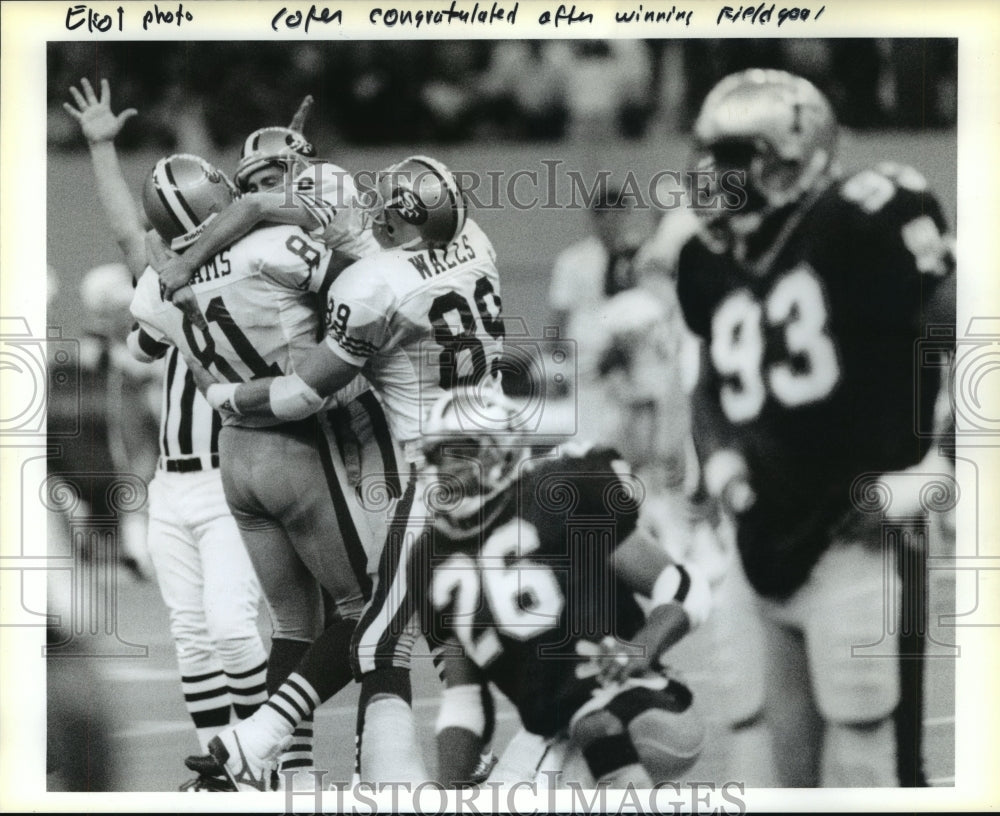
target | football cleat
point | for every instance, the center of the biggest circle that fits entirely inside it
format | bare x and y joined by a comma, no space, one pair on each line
227,756
208,784
487,762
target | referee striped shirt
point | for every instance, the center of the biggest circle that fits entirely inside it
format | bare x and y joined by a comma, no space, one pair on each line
188,425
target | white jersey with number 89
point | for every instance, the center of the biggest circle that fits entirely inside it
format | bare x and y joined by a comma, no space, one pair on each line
419,323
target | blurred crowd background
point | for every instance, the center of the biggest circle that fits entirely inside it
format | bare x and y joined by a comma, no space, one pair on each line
201,95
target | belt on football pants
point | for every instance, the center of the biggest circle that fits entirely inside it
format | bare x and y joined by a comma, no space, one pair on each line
189,464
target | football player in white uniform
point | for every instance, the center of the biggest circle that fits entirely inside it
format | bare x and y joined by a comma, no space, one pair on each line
415,320
289,484
201,566
282,182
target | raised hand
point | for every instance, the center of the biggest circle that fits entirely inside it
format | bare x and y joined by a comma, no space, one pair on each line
299,120
94,115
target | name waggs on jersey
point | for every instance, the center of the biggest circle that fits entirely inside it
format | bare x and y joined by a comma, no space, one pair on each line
442,262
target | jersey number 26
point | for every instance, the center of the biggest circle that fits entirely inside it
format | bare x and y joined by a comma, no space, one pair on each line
522,595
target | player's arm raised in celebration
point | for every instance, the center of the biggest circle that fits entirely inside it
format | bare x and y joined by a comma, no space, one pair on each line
100,127
280,205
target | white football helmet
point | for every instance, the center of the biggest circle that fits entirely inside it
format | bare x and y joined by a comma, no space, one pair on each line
471,440
414,204
181,195
273,145
774,126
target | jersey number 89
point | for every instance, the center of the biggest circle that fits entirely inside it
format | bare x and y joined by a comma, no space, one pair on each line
795,303
467,338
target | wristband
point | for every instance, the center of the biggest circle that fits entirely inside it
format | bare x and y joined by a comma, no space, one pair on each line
293,398
687,586
222,396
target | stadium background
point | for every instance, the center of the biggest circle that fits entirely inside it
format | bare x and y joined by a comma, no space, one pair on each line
376,104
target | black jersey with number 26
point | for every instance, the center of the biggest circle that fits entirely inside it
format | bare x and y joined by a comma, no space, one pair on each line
522,593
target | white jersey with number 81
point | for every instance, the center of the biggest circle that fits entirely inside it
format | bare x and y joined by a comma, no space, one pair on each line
259,300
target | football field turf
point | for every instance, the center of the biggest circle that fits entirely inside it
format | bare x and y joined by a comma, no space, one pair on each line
152,732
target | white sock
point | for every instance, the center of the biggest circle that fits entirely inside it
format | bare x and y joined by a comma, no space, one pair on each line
248,687
298,755
389,749
276,720
206,697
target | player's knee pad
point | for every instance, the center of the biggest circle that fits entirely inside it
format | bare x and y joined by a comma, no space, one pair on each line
194,660
191,638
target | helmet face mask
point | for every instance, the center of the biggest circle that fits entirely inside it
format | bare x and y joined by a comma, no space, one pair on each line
413,204
774,127
473,453
181,196
267,146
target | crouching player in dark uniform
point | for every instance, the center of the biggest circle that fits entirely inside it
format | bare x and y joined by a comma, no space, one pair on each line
529,579
809,300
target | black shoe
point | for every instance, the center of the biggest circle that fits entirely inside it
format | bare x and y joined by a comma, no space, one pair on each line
208,784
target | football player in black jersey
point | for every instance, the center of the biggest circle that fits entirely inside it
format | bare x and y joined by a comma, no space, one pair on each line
529,580
809,298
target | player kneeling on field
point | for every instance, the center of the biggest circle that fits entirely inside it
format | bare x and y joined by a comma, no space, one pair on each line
529,581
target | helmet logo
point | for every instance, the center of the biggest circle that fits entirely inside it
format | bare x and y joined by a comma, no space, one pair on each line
298,144
408,206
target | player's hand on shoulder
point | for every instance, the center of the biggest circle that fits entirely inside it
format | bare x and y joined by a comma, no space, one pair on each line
185,300
94,115
173,270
